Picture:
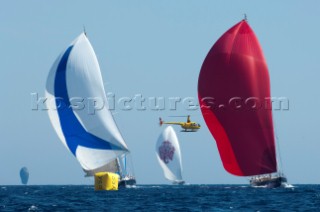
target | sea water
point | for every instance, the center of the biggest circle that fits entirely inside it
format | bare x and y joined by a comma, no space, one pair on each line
160,198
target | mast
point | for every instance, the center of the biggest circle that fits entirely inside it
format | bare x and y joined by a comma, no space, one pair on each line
245,17
119,167
84,30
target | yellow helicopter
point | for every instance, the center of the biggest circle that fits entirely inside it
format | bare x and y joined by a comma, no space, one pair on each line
187,126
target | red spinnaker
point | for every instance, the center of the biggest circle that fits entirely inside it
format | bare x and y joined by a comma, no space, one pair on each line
234,94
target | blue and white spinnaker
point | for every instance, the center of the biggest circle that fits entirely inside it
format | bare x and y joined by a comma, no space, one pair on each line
93,138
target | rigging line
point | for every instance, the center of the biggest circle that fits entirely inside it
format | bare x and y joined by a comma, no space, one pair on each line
278,154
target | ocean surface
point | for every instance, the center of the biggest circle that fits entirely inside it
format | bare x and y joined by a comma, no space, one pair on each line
160,198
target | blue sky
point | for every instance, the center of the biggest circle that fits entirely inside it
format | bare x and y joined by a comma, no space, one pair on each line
154,48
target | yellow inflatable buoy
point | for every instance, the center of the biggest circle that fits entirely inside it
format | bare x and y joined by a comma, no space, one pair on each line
106,181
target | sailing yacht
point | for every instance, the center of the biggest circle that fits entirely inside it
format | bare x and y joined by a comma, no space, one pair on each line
234,76
92,136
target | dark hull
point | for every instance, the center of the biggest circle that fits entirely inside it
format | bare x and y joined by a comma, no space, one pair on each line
269,183
178,183
129,182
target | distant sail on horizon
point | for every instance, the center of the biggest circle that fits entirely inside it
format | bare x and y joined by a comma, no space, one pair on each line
24,175
235,67
93,138
169,155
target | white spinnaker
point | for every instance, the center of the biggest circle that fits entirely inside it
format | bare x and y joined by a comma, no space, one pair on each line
173,168
84,80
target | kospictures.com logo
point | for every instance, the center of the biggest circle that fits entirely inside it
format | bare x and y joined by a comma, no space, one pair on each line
140,103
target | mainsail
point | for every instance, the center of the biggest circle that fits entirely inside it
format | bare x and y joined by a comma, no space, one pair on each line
234,94
75,86
169,155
